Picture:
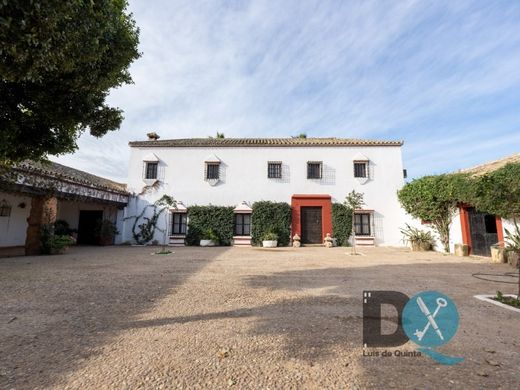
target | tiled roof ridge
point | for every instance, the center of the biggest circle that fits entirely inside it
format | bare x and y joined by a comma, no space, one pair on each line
311,141
64,172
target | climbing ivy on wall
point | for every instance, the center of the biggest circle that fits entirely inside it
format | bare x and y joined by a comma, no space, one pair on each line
271,217
341,223
217,218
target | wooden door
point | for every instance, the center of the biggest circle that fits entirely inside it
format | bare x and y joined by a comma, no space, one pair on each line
311,225
483,231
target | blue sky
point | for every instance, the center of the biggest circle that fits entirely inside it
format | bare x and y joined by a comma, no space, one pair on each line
444,76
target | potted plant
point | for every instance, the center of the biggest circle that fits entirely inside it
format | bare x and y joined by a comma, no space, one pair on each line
53,244
420,240
270,240
209,238
513,246
105,232
498,253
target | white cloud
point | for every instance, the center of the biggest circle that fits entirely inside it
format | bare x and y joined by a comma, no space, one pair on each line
354,69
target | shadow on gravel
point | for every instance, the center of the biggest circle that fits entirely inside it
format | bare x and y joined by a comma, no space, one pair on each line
57,311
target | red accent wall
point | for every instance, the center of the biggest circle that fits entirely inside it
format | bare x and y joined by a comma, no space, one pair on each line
324,201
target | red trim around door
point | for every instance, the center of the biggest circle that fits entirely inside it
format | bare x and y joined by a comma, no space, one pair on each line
302,200
464,223
500,231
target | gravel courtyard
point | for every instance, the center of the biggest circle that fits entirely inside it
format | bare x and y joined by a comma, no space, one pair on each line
119,317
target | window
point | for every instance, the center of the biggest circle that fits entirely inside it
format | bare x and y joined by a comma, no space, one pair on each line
314,170
274,170
212,171
361,169
179,223
151,170
491,223
5,209
362,224
242,224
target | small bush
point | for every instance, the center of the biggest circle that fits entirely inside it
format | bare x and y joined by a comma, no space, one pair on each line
218,219
270,237
271,217
341,223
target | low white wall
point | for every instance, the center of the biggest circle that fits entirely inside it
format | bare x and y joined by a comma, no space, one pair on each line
14,227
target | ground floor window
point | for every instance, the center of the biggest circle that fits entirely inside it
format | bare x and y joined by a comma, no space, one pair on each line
362,224
179,223
242,224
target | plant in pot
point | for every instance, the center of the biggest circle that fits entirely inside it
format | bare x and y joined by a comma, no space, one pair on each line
420,240
105,232
209,238
270,240
512,240
53,244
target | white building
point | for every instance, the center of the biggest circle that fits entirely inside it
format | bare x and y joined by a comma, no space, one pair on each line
308,173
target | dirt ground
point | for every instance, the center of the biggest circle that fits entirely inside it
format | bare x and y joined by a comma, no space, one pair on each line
119,317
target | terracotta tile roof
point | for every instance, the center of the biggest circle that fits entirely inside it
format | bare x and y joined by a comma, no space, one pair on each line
491,166
63,172
257,142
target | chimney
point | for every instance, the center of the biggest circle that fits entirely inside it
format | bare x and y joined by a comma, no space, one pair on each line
153,136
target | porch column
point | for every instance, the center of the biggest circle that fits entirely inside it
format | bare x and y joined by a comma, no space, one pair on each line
43,212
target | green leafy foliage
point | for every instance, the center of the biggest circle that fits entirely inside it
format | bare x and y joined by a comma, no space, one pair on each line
497,192
51,243
435,199
341,223
58,61
270,236
203,219
513,239
271,217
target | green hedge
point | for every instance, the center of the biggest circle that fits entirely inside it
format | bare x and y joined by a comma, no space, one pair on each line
217,218
271,217
341,223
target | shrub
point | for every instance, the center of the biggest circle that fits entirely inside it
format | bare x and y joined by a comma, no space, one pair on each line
219,219
418,238
270,236
62,228
105,232
271,217
341,223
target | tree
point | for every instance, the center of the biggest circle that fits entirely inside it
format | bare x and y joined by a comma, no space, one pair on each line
58,61
498,192
354,201
220,135
435,199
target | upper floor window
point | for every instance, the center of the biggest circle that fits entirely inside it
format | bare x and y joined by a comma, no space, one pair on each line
361,169
314,170
179,221
151,170
212,171
274,170
242,224
362,224
5,209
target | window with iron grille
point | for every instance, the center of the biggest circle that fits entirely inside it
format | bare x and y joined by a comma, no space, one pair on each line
362,224
151,170
314,170
5,209
212,171
361,169
242,224
274,170
179,221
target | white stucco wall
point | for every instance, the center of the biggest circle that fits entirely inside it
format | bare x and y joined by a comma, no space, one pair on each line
244,178
13,228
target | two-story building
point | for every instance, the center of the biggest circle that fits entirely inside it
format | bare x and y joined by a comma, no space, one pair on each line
308,173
